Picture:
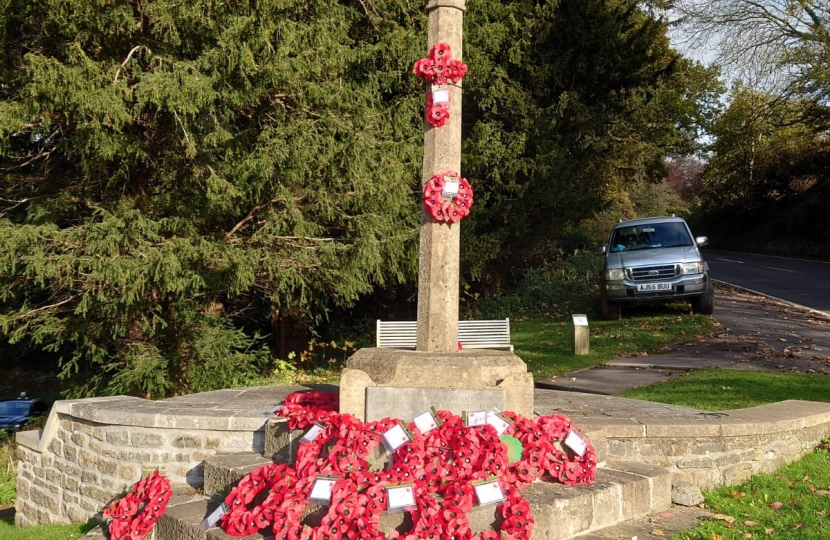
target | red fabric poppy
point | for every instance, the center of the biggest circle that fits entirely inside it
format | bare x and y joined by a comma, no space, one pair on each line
135,514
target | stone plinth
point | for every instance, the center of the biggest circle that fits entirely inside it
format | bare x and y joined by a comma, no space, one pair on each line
470,370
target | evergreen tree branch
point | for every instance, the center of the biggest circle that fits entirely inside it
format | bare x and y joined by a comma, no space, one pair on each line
248,217
124,63
43,308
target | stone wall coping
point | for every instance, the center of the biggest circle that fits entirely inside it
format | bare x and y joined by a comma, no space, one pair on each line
781,417
237,409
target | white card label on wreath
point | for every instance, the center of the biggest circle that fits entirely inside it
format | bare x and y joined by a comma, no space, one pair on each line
440,95
312,433
275,408
450,187
396,437
580,320
498,421
322,488
400,496
476,418
215,516
576,442
425,422
489,492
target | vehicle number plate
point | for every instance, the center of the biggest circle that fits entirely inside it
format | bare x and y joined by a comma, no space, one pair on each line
649,287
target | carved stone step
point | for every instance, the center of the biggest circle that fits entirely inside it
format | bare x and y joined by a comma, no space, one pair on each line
622,491
224,470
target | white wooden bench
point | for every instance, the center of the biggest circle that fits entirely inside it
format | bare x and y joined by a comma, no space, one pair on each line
492,334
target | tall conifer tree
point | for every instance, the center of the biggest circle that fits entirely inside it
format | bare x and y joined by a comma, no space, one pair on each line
172,171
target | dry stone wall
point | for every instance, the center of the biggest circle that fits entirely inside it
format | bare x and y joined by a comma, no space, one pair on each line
77,465
728,450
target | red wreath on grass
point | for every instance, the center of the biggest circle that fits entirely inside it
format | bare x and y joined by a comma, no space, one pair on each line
134,515
447,210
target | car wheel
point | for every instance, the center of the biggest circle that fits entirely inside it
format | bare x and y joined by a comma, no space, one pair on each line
610,311
705,303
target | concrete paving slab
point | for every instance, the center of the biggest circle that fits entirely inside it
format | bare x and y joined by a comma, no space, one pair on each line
580,406
607,380
682,363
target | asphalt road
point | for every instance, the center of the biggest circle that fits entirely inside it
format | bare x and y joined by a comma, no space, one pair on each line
802,282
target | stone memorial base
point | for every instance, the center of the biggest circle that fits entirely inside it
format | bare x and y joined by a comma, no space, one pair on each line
456,381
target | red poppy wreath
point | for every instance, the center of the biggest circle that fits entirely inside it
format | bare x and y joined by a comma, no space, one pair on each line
437,69
448,197
134,515
443,466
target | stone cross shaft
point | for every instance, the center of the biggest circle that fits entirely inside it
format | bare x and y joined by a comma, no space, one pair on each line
438,268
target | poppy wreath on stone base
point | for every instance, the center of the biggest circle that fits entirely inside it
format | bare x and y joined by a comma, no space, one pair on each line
134,515
447,209
441,465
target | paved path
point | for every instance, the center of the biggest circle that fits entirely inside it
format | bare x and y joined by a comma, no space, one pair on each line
755,333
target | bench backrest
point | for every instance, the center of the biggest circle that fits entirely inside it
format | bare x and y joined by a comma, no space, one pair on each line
490,334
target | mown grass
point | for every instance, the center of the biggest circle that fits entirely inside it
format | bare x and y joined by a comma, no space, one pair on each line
8,531
718,390
793,502
545,344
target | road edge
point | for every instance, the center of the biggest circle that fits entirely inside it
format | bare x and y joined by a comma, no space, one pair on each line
810,310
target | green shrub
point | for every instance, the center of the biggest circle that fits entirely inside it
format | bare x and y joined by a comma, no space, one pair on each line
556,287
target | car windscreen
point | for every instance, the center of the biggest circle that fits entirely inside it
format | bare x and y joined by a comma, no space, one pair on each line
650,236
14,408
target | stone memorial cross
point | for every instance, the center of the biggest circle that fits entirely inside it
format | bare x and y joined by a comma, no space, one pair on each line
438,265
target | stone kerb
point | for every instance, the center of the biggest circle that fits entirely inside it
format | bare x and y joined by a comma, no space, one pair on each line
92,450
720,449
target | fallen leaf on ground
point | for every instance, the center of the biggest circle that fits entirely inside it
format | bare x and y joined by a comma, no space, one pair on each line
822,492
776,505
723,517
657,532
750,523
716,536
737,494
665,514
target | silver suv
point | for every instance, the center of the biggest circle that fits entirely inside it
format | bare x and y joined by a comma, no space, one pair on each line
654,260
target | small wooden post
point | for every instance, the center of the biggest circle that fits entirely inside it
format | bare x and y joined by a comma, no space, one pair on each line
581,345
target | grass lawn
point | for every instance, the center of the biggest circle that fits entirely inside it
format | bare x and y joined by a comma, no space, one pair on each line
44,532
793,502
545,344
718,390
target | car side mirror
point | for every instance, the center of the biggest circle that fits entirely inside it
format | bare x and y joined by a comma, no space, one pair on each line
702,241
